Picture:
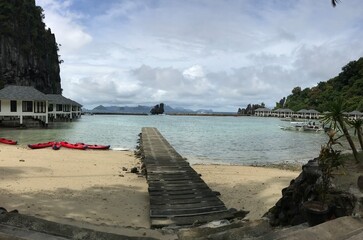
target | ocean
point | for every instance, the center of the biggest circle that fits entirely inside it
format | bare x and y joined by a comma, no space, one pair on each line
228,140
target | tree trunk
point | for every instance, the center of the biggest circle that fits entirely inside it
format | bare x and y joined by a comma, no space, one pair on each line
349,139
359,132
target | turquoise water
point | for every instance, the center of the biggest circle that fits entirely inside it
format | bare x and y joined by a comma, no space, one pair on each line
233,140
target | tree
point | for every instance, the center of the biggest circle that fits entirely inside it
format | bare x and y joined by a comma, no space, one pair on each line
334,2
358,126
336,118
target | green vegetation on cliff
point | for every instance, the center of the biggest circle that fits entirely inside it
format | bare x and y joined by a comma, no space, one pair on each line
28,51
348,85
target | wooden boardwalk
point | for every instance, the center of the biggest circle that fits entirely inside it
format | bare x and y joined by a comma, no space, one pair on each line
178,196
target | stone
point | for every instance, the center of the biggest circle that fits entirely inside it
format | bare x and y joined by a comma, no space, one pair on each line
297,220
240,214
134,170
360,182
3,210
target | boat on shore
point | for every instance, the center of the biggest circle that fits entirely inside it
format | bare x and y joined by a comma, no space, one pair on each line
8,141
73,146
309,126
41,145
56,146
96,146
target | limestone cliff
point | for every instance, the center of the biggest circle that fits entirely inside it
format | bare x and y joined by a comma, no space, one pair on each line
28,51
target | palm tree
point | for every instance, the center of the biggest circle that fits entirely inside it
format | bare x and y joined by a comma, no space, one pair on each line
338,121
358,126
334,2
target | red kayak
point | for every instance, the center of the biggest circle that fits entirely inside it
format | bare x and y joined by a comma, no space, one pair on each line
73,146
56,145
40,145
8,141
96,146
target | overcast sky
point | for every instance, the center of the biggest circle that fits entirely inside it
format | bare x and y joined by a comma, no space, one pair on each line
211,54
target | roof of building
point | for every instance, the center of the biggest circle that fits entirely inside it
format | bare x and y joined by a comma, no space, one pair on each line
263,110
313,111
355,112
59,99
25,93
284,110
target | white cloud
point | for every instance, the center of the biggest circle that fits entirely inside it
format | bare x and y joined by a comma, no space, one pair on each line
64,24
193,72
202,53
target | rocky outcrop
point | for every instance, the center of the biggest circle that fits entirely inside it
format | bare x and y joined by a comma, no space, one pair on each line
157,109
289,209
28,51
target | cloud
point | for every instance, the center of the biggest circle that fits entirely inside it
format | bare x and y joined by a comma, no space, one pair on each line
200,54
64,24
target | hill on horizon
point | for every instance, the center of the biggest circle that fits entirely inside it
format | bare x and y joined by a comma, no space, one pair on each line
348,84
140,109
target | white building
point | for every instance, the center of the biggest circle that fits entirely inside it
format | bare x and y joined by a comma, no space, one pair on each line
18,103
283,112
263,112
60,107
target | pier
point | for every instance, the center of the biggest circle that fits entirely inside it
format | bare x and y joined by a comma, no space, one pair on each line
178,195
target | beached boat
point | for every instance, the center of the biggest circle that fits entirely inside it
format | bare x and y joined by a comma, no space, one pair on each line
41,145
96,146
309,126
290,119
8,141
73,146
56,146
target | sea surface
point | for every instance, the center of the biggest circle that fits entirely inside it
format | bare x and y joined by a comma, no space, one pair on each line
229,140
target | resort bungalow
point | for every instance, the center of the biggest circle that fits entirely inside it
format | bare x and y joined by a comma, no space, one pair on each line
18,103
283,112
311,114
263,112
355,115
62,108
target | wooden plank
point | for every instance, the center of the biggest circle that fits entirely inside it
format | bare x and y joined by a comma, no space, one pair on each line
180,188
187,205
164,201
172,179
177,193
186,212
191,192
182,221
161,181
167,185
189,196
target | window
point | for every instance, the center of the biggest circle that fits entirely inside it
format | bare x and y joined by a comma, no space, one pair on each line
39,107
13,106
27,106
66,108
50,108
59,107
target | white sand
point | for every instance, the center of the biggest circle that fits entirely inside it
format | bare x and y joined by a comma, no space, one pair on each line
90,189
255,189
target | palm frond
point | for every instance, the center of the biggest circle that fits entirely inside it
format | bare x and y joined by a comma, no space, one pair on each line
335,2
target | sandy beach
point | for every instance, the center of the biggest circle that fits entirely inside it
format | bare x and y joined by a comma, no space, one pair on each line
91,189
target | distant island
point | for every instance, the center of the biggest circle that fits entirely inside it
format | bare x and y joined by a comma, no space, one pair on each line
143,110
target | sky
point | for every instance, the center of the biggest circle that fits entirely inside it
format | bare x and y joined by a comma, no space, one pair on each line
200,54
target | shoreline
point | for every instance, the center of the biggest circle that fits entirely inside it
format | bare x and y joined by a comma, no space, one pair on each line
92,189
